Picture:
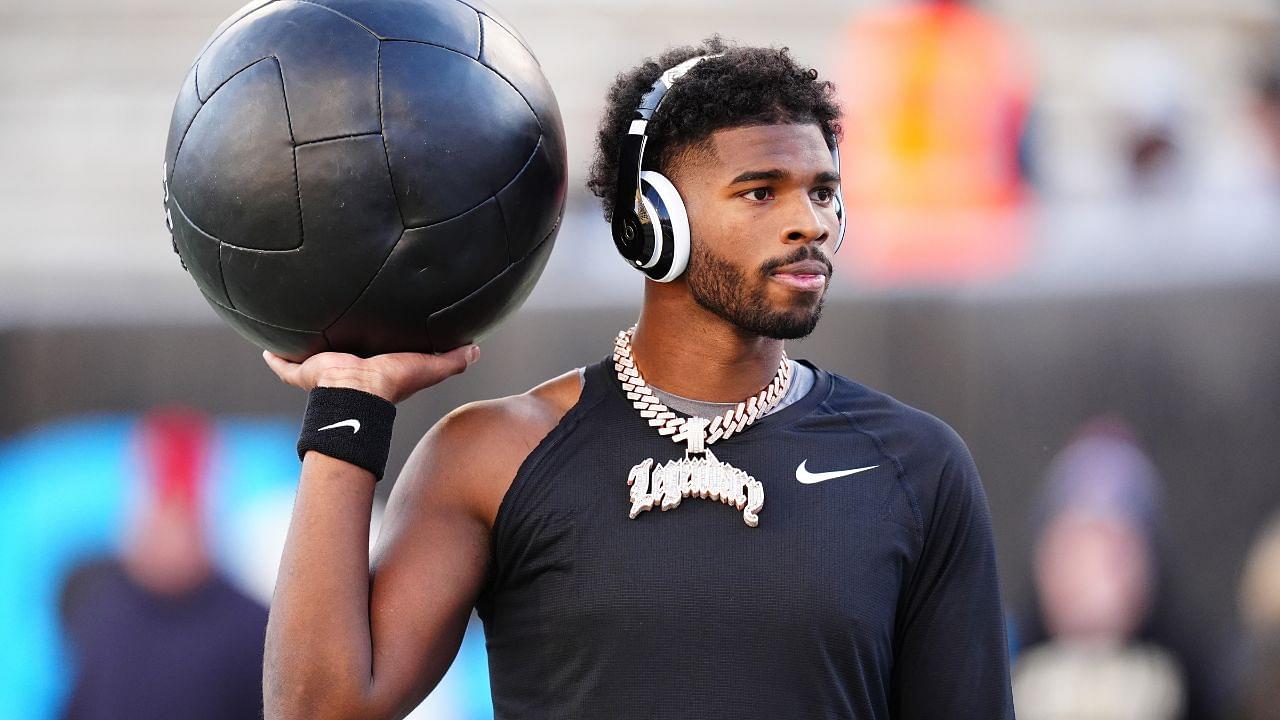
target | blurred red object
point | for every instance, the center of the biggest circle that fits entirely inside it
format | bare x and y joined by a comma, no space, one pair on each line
935,97
175,451
165,548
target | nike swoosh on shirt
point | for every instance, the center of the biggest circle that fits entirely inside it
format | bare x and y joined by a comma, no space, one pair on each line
352,423
808,478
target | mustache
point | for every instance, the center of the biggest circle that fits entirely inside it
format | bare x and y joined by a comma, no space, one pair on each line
802,253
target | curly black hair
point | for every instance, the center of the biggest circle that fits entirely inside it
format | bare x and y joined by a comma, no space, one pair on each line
745,86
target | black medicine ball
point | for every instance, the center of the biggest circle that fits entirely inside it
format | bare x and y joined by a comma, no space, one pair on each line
364,176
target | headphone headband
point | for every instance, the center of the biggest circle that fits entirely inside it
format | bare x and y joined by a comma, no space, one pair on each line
629,213
651,100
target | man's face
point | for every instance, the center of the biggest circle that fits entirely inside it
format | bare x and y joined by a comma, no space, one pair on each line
762,211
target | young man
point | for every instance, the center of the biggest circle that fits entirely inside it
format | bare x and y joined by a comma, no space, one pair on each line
639,541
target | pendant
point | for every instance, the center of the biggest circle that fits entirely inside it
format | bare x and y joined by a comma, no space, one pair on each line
698,474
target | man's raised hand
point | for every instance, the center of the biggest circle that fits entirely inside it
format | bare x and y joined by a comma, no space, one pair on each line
393,376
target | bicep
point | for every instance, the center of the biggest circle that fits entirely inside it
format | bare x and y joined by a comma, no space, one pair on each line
428,566
952,658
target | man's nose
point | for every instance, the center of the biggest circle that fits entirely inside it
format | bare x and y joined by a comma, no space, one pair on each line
805,222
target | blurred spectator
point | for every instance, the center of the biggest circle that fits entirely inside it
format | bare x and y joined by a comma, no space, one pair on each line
159,632
1259,671
1149,100
1103,643
935,96
1265,108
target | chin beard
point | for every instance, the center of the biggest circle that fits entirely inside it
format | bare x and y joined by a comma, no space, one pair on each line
723,289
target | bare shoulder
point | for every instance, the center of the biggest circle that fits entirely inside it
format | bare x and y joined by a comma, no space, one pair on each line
472,454
523,419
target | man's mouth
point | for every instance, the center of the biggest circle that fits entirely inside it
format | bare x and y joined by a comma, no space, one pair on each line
806,276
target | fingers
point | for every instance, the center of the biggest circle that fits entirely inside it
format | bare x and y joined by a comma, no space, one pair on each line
395,375
287,371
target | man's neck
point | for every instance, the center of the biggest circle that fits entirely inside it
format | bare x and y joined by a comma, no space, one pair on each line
687,350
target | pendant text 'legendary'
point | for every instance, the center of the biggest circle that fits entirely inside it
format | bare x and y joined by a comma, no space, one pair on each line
666,485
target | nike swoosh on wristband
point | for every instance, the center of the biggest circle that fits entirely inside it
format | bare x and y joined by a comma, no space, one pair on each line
352,423
808,478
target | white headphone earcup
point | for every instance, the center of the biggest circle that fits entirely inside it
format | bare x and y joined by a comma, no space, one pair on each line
839,198
668,212
835,248
661,237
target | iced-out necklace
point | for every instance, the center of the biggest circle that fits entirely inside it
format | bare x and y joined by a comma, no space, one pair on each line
699,473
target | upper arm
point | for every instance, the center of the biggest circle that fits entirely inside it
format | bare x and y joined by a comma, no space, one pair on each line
432,552
952,658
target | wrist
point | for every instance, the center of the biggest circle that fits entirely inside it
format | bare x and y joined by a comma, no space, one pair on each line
353,379
348,424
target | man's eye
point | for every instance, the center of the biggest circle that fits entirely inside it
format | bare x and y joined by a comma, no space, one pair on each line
758,194
824,194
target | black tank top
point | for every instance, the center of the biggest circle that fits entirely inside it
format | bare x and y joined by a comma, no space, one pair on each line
869,595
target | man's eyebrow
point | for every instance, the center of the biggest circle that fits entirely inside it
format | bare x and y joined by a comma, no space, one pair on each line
754,175
827,176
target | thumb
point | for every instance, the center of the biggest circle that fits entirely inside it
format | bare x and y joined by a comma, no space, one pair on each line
438,367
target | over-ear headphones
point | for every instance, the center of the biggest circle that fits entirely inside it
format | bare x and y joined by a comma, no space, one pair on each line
650,224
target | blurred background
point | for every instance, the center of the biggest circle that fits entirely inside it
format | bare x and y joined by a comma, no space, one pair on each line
1064,241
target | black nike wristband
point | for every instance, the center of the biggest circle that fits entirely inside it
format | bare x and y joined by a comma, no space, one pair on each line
350,425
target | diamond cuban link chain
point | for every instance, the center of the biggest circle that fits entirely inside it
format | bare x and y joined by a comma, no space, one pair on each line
700,473
668,423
